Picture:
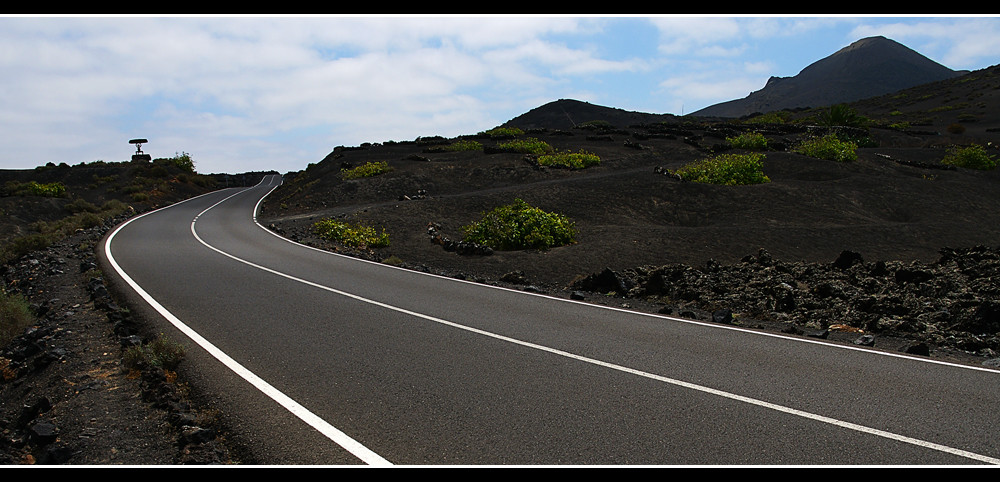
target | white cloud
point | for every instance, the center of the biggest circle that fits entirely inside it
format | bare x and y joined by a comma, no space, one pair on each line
248,87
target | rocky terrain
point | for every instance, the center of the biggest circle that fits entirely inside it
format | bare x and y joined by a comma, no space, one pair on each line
894,247
68,398
881,247
68,394
894,251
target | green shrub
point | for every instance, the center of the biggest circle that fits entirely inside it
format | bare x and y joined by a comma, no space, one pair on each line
829,147
464,145
354,235
182,161
80,205
972,157
520,226
572,160
23,245
776,117
15,316
529,145
503,132
367,169
33,188
842,115
726,169
749,141
158,353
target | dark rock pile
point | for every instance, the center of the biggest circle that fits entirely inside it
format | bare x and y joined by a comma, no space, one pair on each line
460,247
67,396
953,302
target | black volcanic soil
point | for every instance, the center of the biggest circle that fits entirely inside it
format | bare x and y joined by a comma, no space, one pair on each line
893,205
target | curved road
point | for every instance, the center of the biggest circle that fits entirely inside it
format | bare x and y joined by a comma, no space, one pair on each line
316,358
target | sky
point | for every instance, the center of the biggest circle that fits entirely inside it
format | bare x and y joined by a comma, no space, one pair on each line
252,93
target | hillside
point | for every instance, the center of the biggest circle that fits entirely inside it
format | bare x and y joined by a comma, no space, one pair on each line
867,68
565,114
895,206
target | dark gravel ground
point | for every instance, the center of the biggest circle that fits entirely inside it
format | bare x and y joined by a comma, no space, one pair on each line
893,211
68,398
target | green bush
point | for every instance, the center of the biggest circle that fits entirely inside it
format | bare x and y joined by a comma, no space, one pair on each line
749,141
503,132
464,145
182,161
520,226
80,206
158,353
367,169
33,188
726,169
572,160
776,117
829,147
972,157
842,115
23,245
529,145
15,316
354,235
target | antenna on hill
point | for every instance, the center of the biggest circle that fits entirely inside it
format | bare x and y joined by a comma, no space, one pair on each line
139,156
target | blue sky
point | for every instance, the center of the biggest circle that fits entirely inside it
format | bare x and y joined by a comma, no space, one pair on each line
278,92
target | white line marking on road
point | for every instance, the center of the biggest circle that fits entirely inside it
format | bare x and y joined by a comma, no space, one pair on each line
672,381
716,326
331,432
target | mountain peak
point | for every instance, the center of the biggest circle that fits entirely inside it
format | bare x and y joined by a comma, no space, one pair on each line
868,67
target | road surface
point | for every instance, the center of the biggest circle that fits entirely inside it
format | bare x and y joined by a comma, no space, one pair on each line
317,358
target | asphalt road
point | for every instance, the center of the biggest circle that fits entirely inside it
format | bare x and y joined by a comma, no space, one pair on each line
316,358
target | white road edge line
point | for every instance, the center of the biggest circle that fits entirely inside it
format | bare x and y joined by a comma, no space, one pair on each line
623,310
331,432
692,386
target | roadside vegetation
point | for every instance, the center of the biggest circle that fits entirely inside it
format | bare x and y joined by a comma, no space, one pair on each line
971,157
157,353
82,215
751,141
842,115
33,188
15,316
528,145
348,234
519,226
464,145
502,132
572,160
829,147
775,117
367,169
726,169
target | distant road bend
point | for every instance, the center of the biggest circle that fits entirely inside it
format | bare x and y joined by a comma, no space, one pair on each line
317,358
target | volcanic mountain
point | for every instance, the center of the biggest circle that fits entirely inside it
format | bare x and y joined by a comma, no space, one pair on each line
869,67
